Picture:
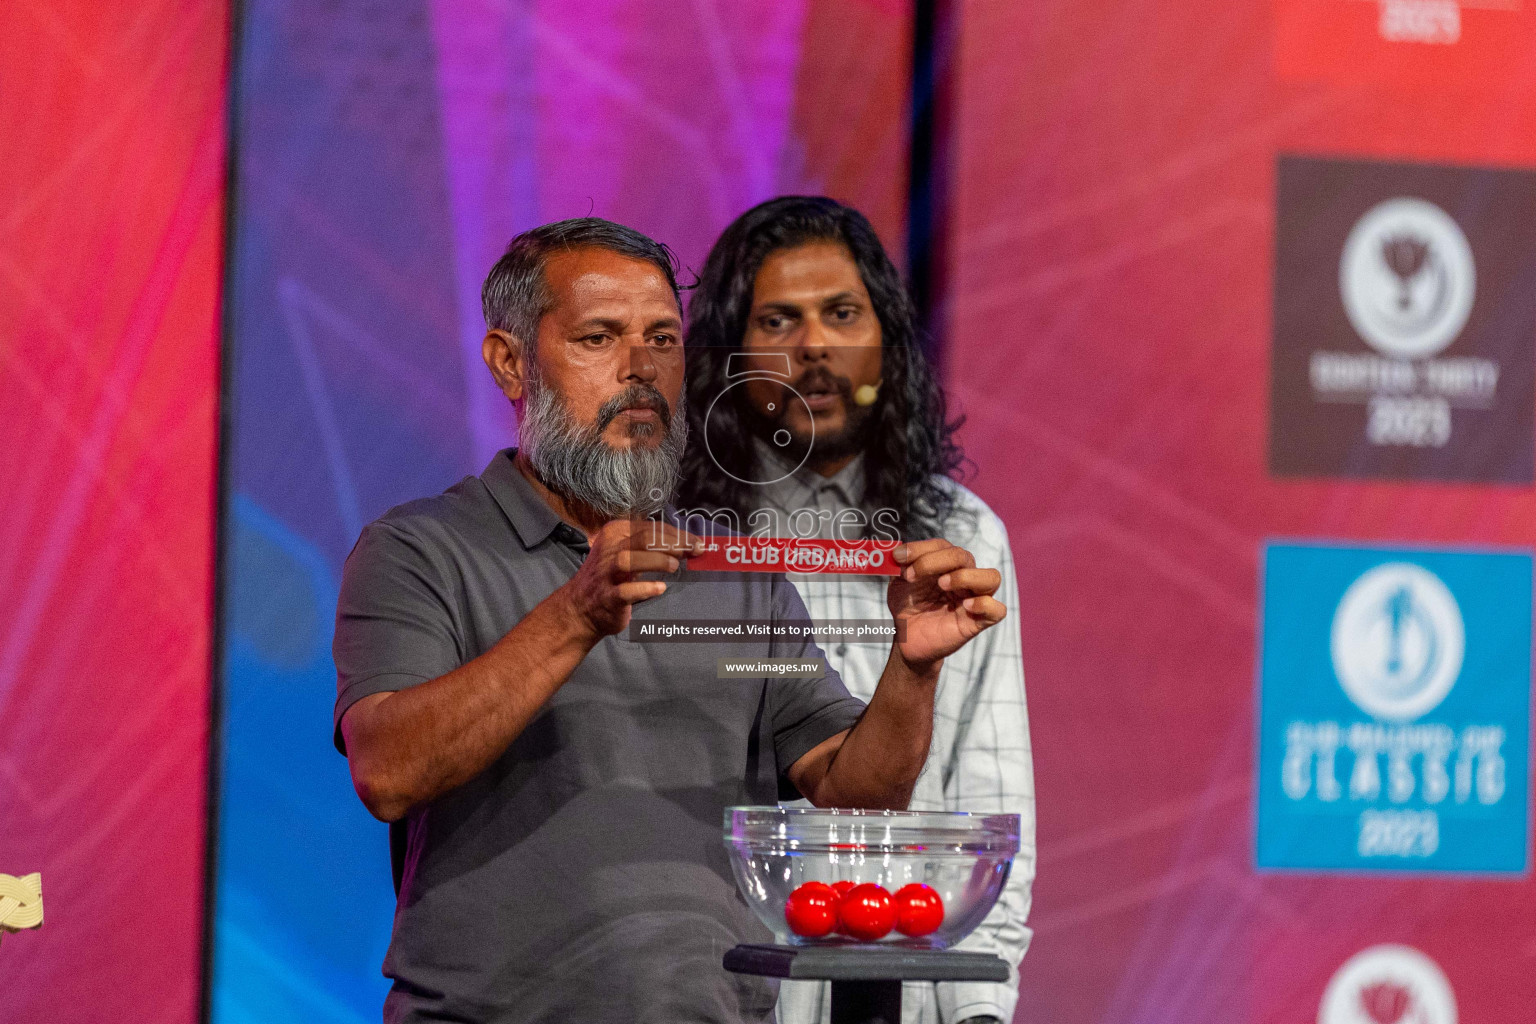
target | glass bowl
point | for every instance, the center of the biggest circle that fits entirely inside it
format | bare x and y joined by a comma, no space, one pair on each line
963,857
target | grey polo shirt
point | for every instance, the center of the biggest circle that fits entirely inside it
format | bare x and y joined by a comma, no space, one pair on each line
581,878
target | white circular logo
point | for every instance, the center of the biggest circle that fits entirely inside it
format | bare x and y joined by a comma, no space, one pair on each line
714,430
1388,984
1398,641
1407,278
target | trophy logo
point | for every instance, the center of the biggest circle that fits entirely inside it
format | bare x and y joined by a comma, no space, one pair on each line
1407,278
1388,984
1398,641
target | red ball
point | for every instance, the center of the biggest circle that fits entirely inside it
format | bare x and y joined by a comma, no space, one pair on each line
811,910
919,910
842,888
867,912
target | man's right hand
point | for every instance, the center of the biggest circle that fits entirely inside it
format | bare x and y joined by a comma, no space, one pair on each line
410,746
608,585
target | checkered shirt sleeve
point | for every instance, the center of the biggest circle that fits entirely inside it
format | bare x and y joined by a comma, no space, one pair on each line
980,759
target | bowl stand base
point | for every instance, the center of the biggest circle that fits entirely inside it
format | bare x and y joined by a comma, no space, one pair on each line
866,981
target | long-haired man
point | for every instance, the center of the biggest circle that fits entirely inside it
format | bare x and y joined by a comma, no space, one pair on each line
813,412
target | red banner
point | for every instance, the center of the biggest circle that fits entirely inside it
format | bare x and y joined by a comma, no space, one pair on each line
793,554
1444,45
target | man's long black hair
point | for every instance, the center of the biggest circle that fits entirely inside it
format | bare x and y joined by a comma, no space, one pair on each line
909,440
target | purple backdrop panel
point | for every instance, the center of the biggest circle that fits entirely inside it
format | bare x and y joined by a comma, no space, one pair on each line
672,118
386,155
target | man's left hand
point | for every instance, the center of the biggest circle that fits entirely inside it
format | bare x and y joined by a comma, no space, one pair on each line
940,601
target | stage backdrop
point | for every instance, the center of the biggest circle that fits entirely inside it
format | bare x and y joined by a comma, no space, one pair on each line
386,154
111,218
1240,309
1242,319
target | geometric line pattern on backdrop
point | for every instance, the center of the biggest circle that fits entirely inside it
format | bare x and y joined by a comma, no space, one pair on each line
135,345
1206,894
295,300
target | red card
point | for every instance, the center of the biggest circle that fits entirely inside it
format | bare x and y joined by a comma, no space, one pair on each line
790,554
1442,45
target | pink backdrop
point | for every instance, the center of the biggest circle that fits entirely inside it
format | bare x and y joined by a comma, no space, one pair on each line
1113,251
111,206
1111,282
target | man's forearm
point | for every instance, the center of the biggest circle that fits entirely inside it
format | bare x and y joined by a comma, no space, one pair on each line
411,746
878,762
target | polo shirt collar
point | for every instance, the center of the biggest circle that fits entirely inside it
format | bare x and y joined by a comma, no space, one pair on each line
530,515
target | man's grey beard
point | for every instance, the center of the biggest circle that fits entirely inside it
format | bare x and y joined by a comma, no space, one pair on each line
575,462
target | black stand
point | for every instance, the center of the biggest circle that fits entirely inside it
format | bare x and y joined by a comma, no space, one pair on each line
866,981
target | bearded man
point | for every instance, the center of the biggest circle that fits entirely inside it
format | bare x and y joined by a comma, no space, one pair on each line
555,790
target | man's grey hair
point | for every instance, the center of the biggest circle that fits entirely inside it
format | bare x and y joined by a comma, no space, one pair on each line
515,296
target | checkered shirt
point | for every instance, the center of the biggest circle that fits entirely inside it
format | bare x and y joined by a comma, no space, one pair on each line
979,759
